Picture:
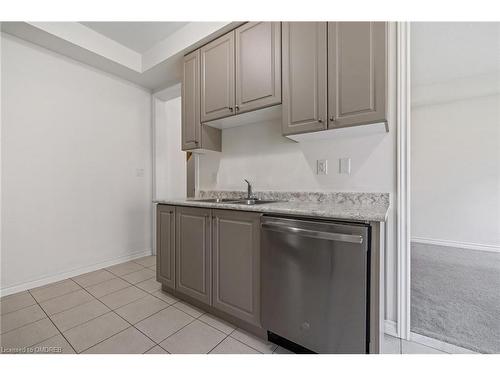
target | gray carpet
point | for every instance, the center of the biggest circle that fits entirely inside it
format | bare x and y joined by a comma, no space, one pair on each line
455,296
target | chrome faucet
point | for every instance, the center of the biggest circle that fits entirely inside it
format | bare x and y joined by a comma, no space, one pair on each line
249,190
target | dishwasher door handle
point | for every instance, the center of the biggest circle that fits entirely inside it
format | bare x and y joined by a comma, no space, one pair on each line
313,233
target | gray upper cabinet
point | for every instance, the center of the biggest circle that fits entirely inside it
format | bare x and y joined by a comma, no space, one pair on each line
193,253
304,77
258,65
217,78
195,135
191,125
165,245
236,264
357,73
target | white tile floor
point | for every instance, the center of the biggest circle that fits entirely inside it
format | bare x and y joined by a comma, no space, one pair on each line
119,309
122,309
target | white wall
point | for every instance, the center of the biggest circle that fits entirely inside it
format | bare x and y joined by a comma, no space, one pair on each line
455,134
170,160
74,142
456,171
259,153
272,162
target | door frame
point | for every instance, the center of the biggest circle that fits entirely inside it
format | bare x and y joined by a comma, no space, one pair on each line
403,109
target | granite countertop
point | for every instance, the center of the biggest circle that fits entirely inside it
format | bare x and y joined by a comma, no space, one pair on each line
345,206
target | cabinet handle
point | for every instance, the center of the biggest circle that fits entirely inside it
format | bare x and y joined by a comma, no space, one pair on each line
237,108
332,119
230,109
320,120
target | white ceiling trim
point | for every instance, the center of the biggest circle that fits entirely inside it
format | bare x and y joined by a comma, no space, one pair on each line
84,37
156,69
187,36
89,39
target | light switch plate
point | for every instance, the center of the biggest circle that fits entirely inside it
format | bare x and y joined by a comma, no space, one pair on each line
345,165
322,166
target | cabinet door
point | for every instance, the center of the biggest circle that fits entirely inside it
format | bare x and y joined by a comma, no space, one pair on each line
217,78
191,126
304,77
193,253
236,252
165,245
357,73
258,65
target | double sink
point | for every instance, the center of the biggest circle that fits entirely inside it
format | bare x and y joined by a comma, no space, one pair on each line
247,202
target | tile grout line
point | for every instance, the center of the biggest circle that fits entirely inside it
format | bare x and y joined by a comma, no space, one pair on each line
24,307
62,335
116,277
24,325
82,303
248,346
114,334
227,334
168,335
116,308
184,326
79,324
61,295
143,318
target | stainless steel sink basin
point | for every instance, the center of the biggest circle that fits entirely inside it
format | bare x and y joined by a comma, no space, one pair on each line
247,202
216,200
251,202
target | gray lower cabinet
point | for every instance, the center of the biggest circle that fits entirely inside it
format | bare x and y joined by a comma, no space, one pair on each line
304,77
236,264
193,253
258,65
165,245
217,78
212,256
357,73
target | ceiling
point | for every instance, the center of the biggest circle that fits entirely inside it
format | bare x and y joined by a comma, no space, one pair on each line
146,53
138,36
446,51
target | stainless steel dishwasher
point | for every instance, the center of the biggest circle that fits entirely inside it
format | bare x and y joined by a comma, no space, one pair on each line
315,283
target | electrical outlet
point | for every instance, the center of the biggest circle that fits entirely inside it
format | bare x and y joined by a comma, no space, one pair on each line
322,166
139,172
345,165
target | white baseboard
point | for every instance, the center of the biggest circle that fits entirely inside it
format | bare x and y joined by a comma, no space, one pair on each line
72,273
391,328
439,345
463,245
